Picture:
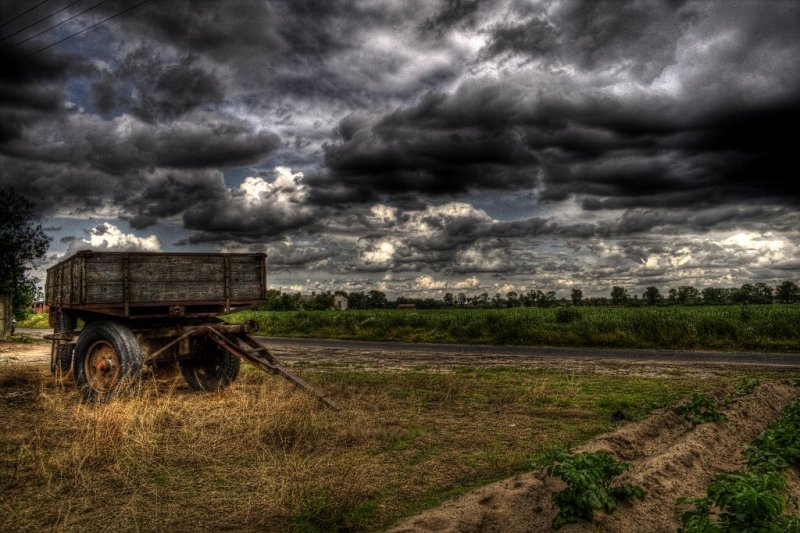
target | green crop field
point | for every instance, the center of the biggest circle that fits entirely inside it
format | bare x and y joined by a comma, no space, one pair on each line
763,327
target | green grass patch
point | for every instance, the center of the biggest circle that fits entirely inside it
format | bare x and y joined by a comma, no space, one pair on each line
763,328
38,321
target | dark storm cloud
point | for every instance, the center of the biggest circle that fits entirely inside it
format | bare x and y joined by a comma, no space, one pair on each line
594,34
169,193
178,89
443,145
156,89
486,138
126,145
717,145
223,31
157,114
33,90
454,14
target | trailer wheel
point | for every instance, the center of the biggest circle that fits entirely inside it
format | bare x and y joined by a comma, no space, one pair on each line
107,358
63,360
212,369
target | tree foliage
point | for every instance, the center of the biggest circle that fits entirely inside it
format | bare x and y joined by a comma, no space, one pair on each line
22,242
619,295
652,296
788,292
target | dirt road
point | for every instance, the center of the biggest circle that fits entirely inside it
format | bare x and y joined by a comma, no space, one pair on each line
543,352
395,355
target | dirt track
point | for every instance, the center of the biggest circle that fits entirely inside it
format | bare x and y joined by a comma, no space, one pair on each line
323,353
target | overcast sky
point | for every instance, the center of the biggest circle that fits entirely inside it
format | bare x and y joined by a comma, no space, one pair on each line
416,147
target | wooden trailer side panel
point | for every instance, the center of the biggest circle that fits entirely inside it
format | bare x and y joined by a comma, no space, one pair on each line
116,283
64,283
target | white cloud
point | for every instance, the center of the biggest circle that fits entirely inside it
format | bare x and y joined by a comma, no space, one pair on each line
285,195
428,283
380,254
108,237
469,283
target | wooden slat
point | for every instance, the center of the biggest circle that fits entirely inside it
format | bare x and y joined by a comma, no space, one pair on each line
97,279
246,291
104,293
176,291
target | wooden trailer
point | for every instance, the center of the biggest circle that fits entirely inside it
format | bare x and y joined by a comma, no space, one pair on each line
156,309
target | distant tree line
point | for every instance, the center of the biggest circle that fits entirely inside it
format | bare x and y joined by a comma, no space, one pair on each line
757,293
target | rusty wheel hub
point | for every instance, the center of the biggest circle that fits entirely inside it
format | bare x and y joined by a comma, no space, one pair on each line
101,366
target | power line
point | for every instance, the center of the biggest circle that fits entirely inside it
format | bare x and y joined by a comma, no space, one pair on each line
40,20
80,32
9,21
101,2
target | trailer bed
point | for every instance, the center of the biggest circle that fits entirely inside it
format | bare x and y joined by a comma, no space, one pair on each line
154,285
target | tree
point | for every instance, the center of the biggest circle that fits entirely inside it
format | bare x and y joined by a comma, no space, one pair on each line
652,296
512,299
22,242
377,300
714,296
448,299
576,296
759,293
619,296
498,300
763,293
787,292
688,295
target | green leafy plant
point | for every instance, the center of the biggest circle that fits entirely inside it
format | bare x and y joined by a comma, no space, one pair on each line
700,409
746,385
777,447
741,502
588,477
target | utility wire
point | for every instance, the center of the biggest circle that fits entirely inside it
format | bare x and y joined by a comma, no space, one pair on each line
9,21
40,20
80,32
101,2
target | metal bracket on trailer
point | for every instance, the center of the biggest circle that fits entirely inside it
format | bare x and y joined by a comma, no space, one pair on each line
257,354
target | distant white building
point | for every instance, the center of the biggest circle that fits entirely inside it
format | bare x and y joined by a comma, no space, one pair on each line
340,302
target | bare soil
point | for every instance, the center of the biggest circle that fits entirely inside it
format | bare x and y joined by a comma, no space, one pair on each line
34,352
669,459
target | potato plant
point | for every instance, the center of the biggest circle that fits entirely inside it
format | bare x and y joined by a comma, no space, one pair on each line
700,409
754,500
588,476
742,501
778,447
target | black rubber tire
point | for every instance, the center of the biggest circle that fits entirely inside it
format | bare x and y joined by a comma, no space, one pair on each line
212,369
113,347
64,356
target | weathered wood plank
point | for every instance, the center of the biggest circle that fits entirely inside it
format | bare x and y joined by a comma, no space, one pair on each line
246,291
104,293
176,291
100,272
97,278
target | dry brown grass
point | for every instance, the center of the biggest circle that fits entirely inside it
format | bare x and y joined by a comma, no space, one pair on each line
262,456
